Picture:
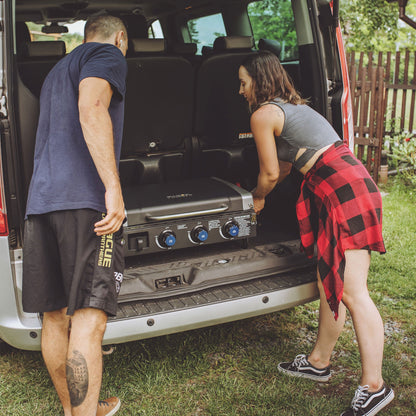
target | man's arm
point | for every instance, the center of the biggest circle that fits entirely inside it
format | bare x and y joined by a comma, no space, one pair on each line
94,99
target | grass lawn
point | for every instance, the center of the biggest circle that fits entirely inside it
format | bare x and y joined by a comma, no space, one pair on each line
231,369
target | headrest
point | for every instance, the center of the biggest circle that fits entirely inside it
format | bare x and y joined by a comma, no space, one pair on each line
22,33
224,43
44,49
270,45
148,45
184,48
207,50
136,26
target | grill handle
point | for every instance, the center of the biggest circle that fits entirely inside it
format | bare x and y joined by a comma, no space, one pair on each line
222,208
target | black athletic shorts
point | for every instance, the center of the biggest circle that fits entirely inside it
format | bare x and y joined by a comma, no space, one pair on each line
65,264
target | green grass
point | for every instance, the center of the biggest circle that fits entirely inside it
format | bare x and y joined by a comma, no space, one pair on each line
231,369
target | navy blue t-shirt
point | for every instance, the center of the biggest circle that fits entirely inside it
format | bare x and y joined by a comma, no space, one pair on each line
64,174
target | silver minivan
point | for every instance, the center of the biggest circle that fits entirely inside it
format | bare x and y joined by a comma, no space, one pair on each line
196,254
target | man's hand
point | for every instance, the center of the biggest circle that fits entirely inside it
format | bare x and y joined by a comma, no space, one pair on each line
115,213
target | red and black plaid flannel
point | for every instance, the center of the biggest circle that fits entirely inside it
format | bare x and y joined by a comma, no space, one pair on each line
348,203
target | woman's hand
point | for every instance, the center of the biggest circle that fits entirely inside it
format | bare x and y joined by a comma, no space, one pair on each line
258,204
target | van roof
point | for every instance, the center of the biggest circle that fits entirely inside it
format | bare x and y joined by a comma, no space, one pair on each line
43,11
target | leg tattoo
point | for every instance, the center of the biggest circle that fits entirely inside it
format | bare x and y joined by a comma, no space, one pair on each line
77,378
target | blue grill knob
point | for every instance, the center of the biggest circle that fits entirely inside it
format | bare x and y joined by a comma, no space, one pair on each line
199,234
230,229
167,239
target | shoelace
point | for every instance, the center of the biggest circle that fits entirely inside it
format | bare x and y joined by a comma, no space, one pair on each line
300,360
103,402
360,396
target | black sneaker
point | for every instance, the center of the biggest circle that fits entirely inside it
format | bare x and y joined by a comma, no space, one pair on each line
301,367
366,403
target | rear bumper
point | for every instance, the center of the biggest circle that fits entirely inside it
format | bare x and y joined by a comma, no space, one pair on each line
146,319
162,323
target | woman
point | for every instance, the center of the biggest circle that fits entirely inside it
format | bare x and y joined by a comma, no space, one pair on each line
288,132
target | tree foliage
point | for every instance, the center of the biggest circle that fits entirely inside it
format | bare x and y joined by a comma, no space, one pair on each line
374,25
366,24
273,19
193,31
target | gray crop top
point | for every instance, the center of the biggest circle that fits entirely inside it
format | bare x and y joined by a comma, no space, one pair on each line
303,128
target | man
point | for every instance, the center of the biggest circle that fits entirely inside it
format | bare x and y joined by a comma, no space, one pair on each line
73,261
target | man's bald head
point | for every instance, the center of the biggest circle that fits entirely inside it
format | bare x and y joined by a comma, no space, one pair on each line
103,27
107,29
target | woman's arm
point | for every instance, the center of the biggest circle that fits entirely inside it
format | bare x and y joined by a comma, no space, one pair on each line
265,123
284,169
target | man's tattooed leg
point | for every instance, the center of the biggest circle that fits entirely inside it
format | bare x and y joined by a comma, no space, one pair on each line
77,378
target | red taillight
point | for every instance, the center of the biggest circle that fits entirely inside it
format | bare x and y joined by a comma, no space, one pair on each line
4,230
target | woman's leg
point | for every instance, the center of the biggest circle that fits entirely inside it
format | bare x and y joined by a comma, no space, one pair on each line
329,331
367,321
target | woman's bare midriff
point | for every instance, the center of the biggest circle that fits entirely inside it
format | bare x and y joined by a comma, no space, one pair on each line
312,160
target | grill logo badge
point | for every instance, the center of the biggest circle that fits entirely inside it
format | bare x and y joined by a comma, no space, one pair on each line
178,196
242,136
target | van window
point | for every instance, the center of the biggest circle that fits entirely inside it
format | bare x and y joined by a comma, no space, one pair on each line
155,30
205,30
275,20
72,39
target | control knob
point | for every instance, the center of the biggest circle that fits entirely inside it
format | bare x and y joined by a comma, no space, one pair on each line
199,234
230,229
167,238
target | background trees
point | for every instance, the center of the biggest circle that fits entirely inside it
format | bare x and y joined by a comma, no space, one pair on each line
374,25
273,19
366,25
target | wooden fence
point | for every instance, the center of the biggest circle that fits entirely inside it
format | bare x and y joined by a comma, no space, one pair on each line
383,91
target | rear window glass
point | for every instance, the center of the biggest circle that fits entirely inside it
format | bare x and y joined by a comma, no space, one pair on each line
72,38
274,20
205,30
155,30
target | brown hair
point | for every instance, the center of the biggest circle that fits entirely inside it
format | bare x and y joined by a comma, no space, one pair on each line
103,26
269,79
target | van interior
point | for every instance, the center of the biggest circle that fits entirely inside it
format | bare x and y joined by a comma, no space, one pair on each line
184,118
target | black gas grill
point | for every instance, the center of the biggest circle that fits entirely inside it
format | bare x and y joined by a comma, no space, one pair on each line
186,214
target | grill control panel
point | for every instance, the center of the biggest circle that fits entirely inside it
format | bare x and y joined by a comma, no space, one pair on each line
157,237
190,213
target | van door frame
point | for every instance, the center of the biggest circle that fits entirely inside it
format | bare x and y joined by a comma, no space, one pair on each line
10,148
311,51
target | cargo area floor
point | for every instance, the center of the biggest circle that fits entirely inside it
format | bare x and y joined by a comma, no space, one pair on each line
191,271
229,292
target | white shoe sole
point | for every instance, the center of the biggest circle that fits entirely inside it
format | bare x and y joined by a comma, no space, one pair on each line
115,410
382,404
322,379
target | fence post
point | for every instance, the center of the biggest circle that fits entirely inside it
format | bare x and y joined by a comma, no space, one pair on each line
392,112
368,102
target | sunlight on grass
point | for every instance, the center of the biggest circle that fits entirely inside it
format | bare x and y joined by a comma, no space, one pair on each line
230,370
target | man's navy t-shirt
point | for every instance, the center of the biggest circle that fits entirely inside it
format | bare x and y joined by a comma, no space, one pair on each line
64,174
